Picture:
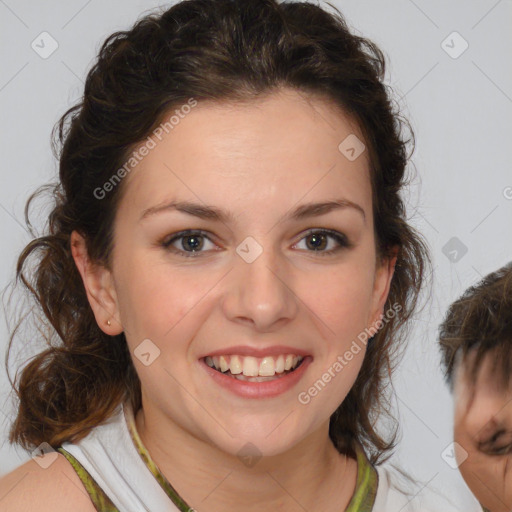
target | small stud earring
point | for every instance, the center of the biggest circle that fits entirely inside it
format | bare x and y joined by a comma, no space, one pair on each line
108,322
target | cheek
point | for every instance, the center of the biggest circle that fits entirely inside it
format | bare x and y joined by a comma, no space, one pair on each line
153,297
342,299
488,480
508,484
486,476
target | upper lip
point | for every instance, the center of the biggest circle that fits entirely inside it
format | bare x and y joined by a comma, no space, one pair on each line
245,350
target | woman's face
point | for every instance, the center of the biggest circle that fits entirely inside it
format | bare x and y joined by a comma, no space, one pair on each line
255,290
483,427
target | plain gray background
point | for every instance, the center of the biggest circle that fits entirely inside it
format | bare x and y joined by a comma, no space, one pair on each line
460,107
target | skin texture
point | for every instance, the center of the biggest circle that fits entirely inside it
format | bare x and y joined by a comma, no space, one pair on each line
258,160
480,413
53,488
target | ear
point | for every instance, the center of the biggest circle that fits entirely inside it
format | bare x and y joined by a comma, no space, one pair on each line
383,275
99,286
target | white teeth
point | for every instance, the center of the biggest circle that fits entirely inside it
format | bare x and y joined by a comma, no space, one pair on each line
224,366
235,365
250,366
267,367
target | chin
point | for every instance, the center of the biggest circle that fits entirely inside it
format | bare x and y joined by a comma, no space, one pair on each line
259,440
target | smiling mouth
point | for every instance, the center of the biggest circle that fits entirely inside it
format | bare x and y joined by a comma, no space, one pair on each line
252,369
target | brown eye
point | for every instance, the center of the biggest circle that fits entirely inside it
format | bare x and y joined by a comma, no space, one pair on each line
189,243
192,242
317,241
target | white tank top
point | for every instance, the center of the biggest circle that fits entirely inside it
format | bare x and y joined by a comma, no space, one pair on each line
120,476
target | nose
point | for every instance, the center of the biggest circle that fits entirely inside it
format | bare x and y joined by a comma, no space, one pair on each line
260,292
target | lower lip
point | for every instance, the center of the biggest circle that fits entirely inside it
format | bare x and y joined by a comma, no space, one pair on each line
266,389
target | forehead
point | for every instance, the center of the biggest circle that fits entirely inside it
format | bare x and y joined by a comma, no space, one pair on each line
484,373
485,394
285,143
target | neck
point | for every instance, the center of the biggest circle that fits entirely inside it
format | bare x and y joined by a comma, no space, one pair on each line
312,475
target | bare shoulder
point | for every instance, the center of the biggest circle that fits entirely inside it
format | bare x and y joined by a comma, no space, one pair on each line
54,488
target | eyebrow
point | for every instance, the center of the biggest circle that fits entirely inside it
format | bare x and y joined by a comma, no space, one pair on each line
216,214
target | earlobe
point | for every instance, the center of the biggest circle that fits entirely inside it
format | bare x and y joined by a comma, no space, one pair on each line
99,287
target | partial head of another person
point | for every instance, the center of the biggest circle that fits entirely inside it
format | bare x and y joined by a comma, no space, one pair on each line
476,343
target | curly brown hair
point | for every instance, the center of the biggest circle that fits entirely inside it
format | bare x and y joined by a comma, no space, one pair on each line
216,50
480,322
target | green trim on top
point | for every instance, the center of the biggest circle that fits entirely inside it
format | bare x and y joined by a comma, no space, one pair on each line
101,501
151,465
362,500
366,484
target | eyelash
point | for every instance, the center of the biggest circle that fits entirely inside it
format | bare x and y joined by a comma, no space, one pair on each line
339,237
487,446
